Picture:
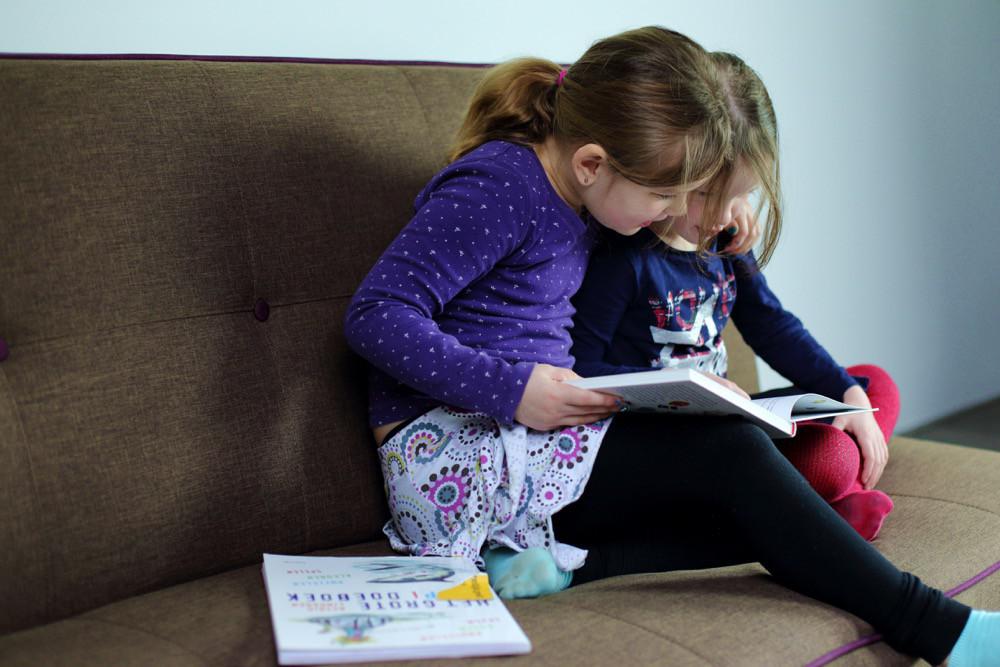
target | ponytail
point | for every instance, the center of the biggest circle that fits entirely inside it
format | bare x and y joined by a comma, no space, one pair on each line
515,101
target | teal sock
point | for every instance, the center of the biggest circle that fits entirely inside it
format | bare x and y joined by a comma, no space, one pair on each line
524,574
979,643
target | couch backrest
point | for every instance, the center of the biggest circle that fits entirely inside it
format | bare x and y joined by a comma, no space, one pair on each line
178,242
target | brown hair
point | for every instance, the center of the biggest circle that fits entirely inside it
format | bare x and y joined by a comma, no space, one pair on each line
651,98
754,144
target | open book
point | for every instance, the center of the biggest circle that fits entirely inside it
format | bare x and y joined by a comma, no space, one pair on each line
357,609
686,391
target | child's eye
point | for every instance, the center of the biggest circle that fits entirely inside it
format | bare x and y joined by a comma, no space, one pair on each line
664,197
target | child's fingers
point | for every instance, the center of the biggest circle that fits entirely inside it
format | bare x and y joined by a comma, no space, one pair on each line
866,472
728,384
586,400
745,230
867,460
585,418
744,241
875,454
883,460
571,417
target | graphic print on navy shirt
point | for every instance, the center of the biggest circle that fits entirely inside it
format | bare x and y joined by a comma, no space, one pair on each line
644,305
688,322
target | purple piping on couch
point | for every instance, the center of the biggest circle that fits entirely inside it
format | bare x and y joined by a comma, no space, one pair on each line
237,59
841,651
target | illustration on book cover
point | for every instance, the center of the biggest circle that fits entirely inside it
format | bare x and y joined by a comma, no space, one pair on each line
355,628
361,627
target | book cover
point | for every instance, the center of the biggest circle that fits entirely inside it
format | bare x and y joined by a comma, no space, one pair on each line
327,609
687,391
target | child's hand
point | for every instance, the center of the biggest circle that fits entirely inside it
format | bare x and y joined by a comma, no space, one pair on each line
868,435
728,384
740,217
548,402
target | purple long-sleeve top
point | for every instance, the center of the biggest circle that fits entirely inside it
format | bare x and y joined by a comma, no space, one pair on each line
473,292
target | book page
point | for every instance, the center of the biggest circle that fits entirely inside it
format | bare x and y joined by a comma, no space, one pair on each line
800,407
688,398
685,391
779,405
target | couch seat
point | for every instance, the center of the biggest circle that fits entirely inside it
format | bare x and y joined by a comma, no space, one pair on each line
945,528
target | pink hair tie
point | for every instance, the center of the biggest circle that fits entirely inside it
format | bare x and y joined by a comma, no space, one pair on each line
559,79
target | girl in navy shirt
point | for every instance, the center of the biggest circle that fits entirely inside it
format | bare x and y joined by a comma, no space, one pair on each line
661,299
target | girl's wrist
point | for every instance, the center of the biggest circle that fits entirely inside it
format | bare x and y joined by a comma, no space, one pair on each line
855,395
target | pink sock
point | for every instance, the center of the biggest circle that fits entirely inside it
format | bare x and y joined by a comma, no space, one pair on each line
830,461
864,510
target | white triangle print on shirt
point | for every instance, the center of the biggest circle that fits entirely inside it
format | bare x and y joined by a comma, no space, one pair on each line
703,317
715,361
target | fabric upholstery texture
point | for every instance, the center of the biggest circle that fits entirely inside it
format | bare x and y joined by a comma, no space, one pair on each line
178,242
154,428
729,616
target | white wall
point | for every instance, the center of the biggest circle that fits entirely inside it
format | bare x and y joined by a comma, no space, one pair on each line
890,123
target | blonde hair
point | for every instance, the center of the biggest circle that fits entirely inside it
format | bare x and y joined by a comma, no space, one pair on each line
650,97
754,144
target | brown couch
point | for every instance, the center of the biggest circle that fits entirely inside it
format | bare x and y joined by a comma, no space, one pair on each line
178,241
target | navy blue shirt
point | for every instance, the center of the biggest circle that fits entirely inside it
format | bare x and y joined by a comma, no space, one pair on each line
644,305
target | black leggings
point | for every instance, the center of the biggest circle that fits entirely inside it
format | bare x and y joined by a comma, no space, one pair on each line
669,493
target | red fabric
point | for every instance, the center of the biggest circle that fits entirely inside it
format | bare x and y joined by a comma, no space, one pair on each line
826,456
830,460
865,511
884,395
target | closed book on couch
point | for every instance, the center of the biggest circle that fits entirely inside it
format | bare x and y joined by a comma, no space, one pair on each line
327,609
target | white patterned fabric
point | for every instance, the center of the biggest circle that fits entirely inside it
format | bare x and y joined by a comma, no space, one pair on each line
457,481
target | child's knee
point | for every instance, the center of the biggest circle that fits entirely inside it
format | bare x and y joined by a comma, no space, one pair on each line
879,381
827,457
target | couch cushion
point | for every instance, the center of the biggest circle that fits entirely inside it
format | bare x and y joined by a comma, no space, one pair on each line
154,426
946,529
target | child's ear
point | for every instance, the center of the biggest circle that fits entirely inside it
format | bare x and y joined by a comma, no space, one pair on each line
590,162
